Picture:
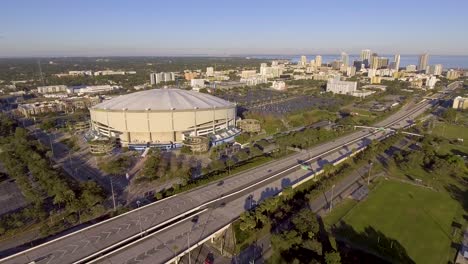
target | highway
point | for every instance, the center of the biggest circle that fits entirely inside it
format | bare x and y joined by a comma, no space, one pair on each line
167,223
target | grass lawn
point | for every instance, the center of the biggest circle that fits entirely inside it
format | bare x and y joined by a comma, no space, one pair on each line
419,219
451,132
338,212
309,117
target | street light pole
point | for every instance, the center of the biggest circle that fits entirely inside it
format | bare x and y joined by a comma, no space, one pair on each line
188,246
139,218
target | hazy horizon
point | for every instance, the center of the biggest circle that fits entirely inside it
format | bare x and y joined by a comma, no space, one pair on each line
52,28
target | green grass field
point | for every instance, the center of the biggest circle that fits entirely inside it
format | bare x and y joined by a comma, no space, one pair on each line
419,219
451,132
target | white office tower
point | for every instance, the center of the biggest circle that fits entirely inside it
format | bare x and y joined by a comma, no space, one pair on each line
209,71
318,60
365,55
345,59
396,62
341,87
274,63
423,62
303,61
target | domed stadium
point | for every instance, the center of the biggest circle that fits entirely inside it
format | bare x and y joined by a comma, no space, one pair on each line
164,118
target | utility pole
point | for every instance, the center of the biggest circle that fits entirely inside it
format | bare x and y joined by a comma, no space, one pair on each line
331,199
370,168
112,190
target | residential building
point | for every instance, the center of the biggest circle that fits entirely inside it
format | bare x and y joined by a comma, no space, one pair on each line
396,62
452,74
52,89
460,103
341,87
435,69
209,71
366,57
431,82
350,71
423,62
345,59
318,60
303,61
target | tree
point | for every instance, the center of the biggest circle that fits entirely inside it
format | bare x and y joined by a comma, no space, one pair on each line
332,257
306,222
450,115
248,221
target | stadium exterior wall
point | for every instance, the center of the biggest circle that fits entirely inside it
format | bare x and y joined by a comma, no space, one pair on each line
160,126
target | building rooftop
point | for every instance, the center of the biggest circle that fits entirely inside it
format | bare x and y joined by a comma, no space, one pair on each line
164,99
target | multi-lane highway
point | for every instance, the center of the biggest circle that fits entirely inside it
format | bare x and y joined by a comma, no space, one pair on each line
158,232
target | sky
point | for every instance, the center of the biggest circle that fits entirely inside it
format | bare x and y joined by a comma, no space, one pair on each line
240,27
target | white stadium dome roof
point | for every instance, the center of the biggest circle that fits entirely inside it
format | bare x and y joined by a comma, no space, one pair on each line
163,99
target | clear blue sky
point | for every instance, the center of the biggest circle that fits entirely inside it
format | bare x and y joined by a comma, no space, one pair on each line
161,27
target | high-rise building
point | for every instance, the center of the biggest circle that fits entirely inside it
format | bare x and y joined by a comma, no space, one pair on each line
435,69
209,71
345,59
350,71
159,77
336,64
366,57
423,62
318,60
303,61
374,60
358,65
396,62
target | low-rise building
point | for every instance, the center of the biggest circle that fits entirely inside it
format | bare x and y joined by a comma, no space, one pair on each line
93,89
52,89
254,80
197,83
279,85
249,125
248,74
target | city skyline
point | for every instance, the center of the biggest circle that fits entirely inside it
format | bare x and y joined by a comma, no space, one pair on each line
143,28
